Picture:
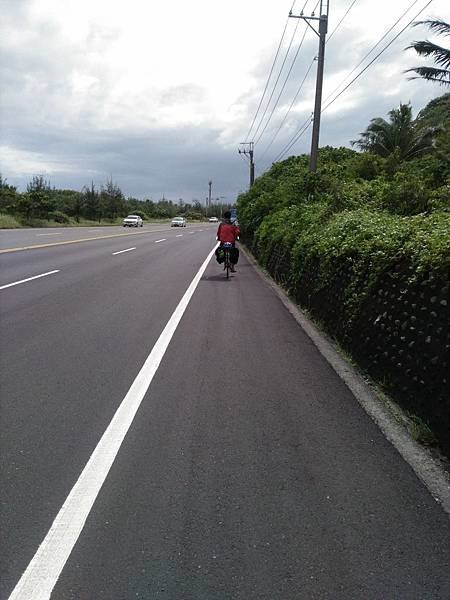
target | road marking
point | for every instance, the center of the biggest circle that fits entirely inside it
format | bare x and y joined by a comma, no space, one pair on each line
179,235
41,575
157,241
28,279
122,251
191,232
89,239
48,234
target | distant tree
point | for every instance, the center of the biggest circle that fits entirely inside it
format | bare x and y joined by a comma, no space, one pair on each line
149,207
441,55
69,202
8,196
38,201
399,136
91,203
197,207
112,200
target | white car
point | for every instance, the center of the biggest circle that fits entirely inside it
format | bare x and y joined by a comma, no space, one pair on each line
178,222
213,220
133,221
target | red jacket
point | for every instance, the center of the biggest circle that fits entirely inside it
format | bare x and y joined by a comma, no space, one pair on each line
228,233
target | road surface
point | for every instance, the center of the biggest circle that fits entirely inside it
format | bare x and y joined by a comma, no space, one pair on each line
249,470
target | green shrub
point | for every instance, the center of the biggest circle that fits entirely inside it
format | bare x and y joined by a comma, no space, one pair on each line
141,214
60,217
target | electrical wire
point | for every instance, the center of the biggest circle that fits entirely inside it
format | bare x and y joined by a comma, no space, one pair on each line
306,125
304,79
315,8
270,73
288,110
286,79
302,130
340,22
299,133
284,85
372,49
277,79
378,55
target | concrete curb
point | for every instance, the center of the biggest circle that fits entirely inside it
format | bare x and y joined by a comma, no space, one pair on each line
427,468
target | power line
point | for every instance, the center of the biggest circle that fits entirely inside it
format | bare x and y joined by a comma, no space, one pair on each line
288,110
292,65
340,22
322,20
277,79
306,125
284,85
270,74
302,130
378,55
306,75
373,48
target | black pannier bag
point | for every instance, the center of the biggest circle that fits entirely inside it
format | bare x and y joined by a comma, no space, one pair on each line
220,255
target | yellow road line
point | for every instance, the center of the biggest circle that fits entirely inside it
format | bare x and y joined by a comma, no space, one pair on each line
99,237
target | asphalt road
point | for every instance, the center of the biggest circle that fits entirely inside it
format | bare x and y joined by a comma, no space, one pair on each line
249,471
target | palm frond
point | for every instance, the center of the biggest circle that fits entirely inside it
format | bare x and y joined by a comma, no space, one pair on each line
426,48
441,76
435,25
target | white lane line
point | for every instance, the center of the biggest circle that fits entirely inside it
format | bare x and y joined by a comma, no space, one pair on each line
48,234
121,251
179,235
163,240
96,229
191,232
28,279
42,573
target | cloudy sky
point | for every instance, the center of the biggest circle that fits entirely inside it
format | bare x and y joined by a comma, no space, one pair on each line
158,94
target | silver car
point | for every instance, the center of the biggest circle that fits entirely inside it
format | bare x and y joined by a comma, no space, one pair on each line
178,222
133,221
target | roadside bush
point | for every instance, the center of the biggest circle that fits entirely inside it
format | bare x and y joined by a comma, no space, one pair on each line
193,215
364,245
59,217
141,214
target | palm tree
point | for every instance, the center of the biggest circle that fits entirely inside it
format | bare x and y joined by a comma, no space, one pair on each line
441,55
399,135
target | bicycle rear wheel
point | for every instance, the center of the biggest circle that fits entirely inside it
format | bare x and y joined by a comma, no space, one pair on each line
227,263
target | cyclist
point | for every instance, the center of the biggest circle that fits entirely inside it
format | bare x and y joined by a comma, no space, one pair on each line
229,232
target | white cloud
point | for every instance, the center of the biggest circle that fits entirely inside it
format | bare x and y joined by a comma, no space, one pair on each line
21,163
83,80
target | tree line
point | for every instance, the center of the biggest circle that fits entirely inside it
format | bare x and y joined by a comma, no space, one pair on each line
41,202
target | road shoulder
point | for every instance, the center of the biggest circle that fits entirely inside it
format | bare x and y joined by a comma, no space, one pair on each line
429,468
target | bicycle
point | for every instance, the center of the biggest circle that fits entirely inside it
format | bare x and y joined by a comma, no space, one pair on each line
227,257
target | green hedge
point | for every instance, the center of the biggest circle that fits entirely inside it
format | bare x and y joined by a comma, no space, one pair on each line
367,251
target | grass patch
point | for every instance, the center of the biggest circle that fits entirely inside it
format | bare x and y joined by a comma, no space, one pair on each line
420,431
9,222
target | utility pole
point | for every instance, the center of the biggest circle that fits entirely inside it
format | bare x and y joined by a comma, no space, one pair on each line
209,193
249,153
323,28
